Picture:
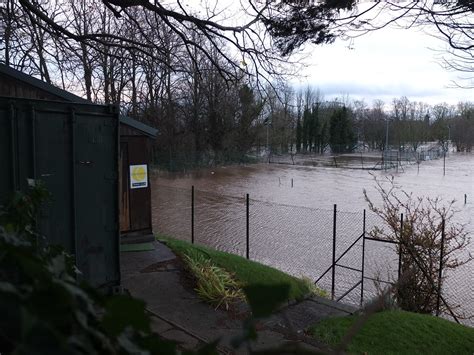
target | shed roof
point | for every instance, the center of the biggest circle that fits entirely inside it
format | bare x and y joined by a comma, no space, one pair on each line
67,96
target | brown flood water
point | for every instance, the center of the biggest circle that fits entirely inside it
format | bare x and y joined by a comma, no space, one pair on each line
291,216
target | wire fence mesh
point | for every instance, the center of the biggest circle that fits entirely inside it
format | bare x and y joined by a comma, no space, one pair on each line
220,222
349,227
289,238
458,290
171,211
297,240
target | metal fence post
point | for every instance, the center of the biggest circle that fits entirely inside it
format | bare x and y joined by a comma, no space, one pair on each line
440,274
363,263
333,253
192,214
248,228
400,248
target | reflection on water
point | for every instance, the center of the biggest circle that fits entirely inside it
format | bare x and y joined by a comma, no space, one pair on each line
292,227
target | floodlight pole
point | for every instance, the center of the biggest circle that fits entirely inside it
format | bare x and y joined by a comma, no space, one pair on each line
386,144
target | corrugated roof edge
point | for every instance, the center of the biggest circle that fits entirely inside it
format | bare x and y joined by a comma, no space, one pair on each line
67,96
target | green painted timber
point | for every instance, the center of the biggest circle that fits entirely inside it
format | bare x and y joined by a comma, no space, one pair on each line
73,149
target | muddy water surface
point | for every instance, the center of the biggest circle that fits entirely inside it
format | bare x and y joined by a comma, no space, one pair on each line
291,215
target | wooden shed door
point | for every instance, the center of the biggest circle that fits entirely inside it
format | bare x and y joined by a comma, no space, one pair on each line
124,190
140,199
96,198
135,204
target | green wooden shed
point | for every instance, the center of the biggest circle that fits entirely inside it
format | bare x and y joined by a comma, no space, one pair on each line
74,146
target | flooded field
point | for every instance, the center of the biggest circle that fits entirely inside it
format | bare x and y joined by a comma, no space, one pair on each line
291,216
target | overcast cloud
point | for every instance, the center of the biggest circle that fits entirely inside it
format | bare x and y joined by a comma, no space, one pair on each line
383,65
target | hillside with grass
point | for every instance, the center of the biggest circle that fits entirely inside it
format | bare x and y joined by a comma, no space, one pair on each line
398,332
238,271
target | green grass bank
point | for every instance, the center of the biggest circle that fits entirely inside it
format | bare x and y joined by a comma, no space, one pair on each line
245,271
399,332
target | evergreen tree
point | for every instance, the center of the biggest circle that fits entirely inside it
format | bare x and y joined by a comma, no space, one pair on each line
341,136
248,111
310,131
315,131
306,129
299,134
324,141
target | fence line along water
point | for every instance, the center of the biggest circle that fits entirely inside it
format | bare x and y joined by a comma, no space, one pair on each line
331,247
390,159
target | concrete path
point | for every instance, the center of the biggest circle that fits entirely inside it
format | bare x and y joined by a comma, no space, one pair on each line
178,314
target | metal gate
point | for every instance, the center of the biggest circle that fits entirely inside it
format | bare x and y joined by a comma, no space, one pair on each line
402,249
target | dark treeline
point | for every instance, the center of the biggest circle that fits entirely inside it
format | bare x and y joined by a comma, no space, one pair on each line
342,125
202,117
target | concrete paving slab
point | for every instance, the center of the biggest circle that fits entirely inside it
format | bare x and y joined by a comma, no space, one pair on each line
306,313
160,326
165,296
183,339
134,262
337,305
155,277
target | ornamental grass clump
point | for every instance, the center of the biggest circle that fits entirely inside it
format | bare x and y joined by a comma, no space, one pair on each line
214,284
313,289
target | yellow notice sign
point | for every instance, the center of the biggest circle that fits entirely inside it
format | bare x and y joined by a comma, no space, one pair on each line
138,176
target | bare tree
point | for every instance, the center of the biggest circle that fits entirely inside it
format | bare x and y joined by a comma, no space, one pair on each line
293,23
259,31
251,50
24,42
375,126
429,241
462,127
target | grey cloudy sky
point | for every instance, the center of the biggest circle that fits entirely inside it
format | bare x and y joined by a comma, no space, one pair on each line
384,64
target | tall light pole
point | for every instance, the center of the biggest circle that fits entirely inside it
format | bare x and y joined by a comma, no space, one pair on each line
446,149
386,145
444,161
449,138
267,137
267,123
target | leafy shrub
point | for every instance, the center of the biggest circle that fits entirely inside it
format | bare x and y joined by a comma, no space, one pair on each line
43,308
426,221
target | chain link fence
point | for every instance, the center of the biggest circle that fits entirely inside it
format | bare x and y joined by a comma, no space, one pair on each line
458,290
361,160
366,160
300,241
171,211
